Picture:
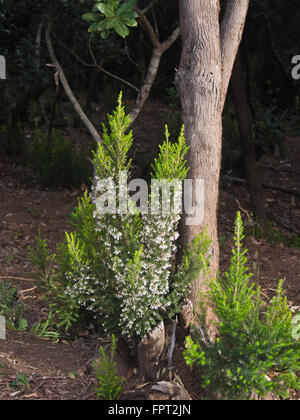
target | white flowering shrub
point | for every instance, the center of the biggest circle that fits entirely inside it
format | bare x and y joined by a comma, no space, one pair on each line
121,266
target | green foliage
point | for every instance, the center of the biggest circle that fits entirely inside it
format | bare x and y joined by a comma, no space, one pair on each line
171,162
273,126
256,349
21,382
110,385
50,282
10,308
55,161
36,116
273,235
40,254
120,267
111,156
112,15
195,259
46,329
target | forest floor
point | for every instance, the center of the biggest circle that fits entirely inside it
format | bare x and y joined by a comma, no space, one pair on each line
34,368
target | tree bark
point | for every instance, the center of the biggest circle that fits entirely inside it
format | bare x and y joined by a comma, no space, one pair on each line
199,81
202,79
253,175
149,351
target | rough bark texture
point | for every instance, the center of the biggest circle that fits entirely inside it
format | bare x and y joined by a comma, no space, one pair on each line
247,142
203,77
186,318
199,80
150,350
231,34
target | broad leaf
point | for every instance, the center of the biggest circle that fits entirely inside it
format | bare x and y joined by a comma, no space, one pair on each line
121,29
91,17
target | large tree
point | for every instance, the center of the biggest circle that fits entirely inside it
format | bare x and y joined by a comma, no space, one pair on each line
208,55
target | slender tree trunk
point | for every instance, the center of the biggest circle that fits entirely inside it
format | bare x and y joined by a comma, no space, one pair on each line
199,81
253,175
209,51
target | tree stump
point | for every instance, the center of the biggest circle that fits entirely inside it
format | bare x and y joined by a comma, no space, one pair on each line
150,350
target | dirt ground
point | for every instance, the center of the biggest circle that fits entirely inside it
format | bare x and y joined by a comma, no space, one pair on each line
54,370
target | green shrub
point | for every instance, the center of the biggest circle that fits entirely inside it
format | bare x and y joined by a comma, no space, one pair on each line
273,235
36,115
256,349
120,268
10,308
46,329
55,161
21,383
273,126
110,385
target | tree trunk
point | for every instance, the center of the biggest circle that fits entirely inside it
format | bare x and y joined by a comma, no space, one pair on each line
199,81
242,110
209,52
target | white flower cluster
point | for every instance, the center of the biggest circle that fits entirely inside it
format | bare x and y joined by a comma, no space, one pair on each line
80,282
136,265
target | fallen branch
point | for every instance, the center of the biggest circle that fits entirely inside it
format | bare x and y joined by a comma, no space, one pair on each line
16,278
27,290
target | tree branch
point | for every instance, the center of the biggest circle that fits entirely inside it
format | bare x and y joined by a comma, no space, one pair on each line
143,93
114,76
67,88
37,49
148,83
158,50
170,41
148,27
231,34
150,5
